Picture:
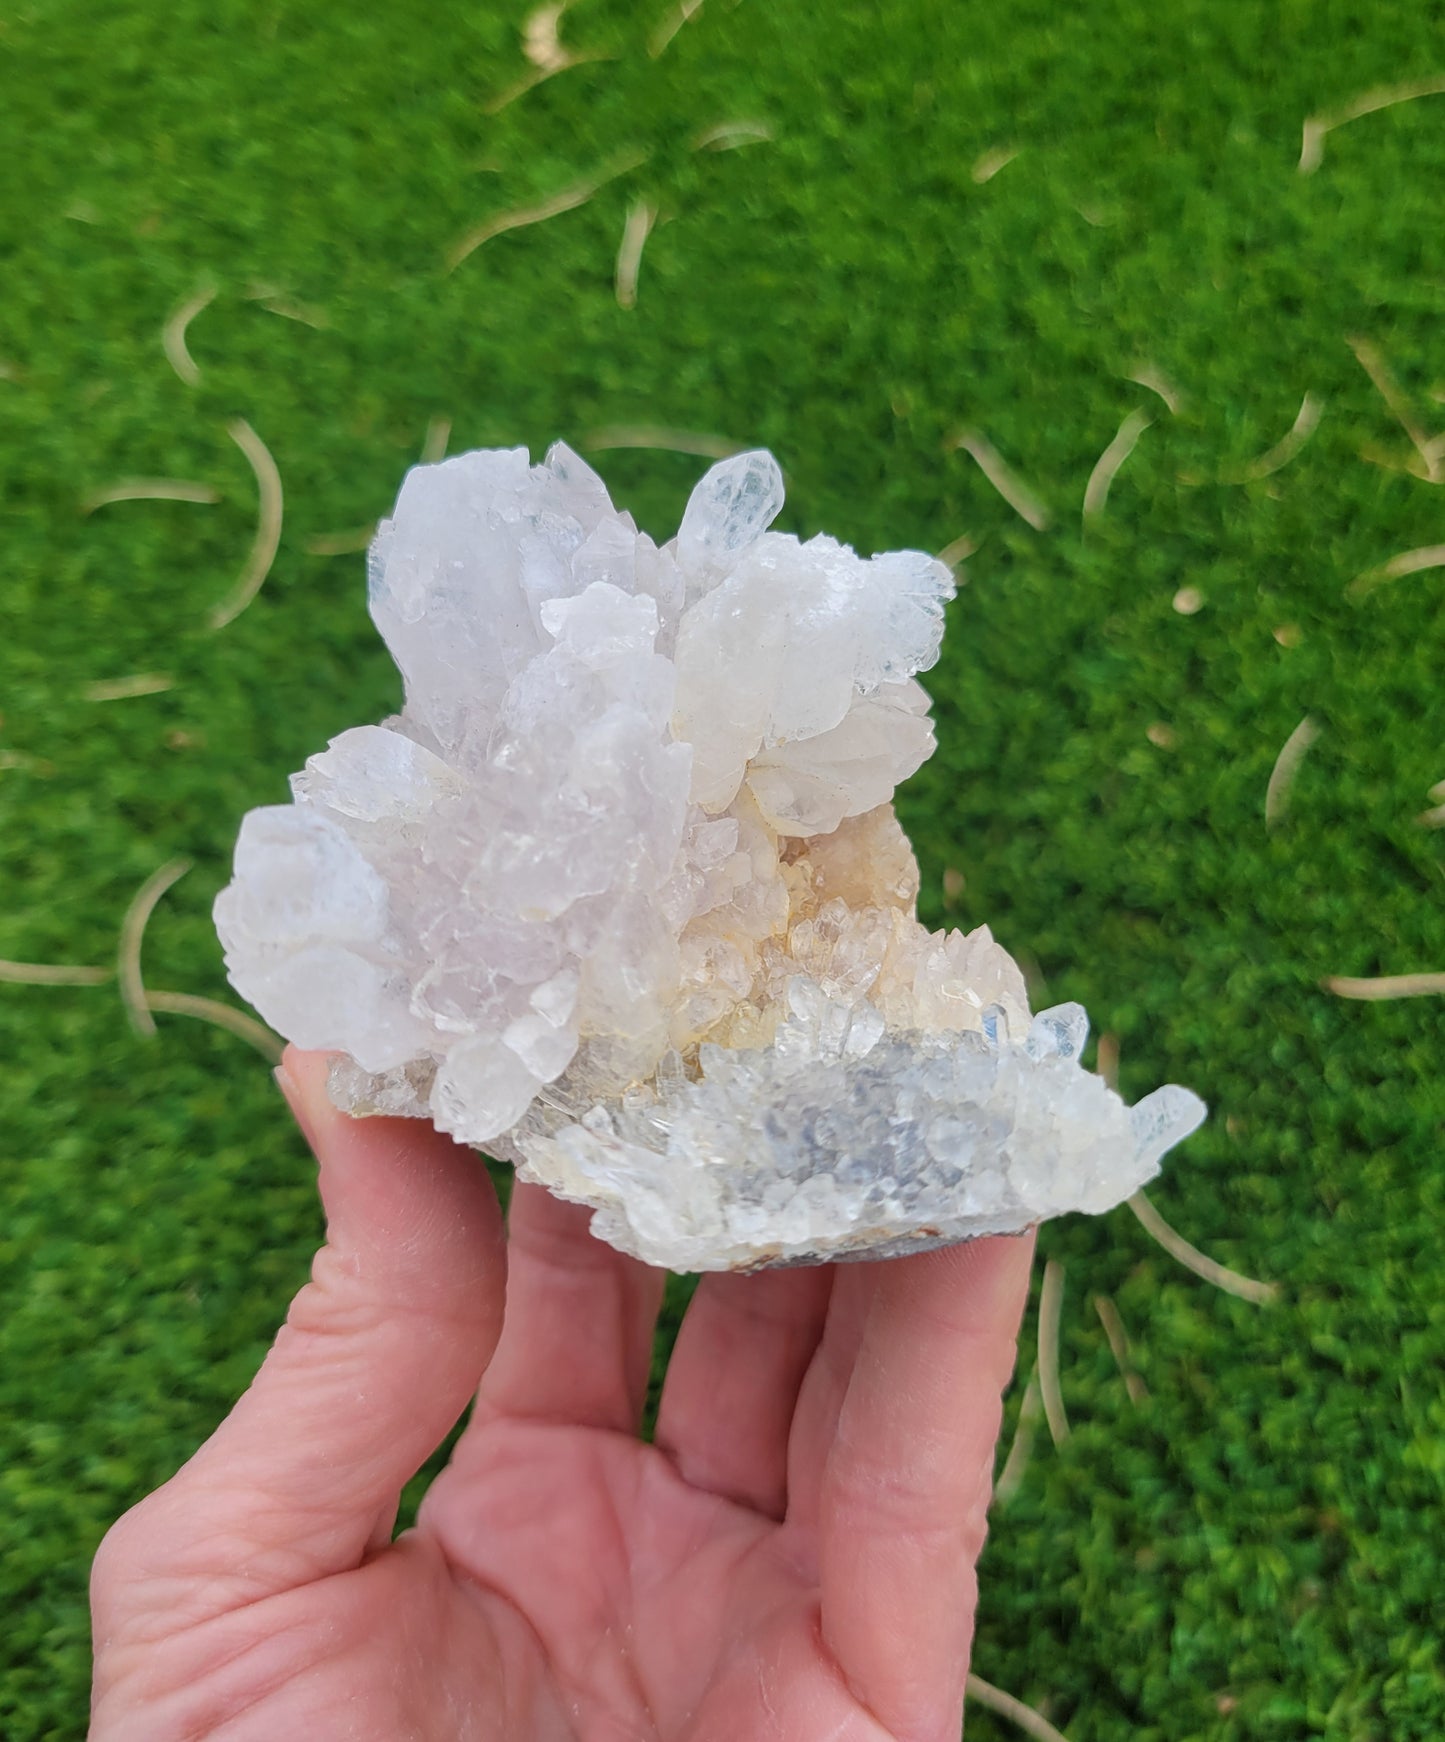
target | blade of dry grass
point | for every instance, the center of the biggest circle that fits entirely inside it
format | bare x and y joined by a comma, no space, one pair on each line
641,216
1011,1476
173,334
123,689
535,76
1147,375
1410,562
985,168
1119,1346
348,543
1246,1287
148,490
1318,127
1307,421
132,934
676,441
276,302
1024,502
1096,492
38,765
541,36
958,550
732,135
1107,1060
674,20
1051,1307
565,200
1409,465
1385,986
52,974
1006,1706
221,1015
434,445
270,501
1372,360
1286,766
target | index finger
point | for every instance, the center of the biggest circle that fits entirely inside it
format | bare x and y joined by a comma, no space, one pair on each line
905,1492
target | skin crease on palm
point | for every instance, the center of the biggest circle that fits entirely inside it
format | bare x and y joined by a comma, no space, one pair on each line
793,1559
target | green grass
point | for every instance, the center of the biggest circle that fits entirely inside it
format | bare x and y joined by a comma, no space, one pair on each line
1255,1552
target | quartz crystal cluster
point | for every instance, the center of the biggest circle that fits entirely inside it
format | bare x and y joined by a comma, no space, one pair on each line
620,896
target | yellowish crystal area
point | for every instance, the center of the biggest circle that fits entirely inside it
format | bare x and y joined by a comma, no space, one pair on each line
838,909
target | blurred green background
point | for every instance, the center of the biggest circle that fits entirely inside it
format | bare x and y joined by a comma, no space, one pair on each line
848,267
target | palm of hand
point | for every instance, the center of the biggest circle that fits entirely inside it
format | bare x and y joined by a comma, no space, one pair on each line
605,1596
793,1559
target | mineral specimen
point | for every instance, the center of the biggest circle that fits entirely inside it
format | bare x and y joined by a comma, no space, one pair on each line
620,895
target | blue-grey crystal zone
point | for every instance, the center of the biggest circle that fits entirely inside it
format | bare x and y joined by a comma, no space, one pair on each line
895,1145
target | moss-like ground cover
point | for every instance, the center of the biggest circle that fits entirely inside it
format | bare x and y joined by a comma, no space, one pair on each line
1252,1552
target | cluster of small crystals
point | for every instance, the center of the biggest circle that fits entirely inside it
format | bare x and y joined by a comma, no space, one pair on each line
605,895
844,1140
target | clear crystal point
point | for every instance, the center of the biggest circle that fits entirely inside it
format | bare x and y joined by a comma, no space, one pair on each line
734,504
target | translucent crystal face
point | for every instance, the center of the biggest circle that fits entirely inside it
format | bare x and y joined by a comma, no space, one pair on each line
620,895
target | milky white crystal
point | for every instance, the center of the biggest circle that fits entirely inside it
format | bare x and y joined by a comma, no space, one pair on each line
620,895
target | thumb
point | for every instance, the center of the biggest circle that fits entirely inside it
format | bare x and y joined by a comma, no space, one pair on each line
380,1353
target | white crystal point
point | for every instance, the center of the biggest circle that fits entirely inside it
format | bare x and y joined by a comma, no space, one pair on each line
375,775
1058,1033
1162,1119
620,894
305,927
733,504
482,1088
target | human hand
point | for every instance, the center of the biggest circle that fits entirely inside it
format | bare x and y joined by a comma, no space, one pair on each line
793,1558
